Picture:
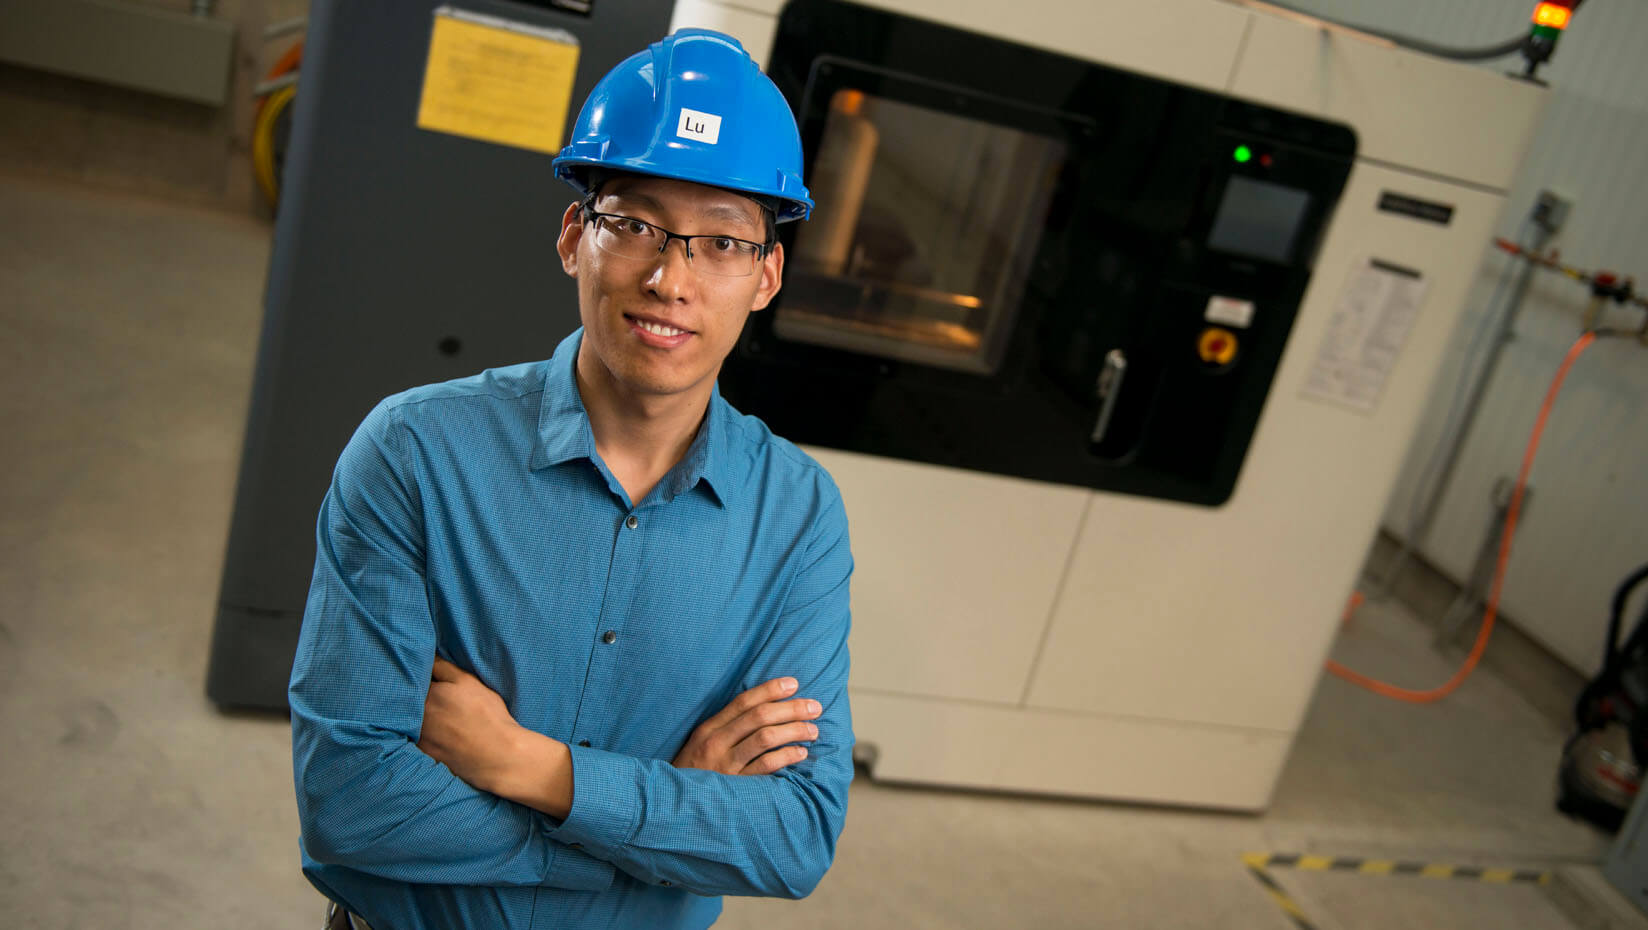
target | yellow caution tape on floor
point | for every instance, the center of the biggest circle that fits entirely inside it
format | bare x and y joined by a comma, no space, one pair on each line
1294,912
1259,865
1392,867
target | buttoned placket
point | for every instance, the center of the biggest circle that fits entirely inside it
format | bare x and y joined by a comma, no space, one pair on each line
623,577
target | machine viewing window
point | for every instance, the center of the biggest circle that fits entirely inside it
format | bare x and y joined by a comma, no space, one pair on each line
1259,219
924,228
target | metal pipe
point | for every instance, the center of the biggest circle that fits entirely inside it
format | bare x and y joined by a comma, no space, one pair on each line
265,88
1497,50
1456,443
285,27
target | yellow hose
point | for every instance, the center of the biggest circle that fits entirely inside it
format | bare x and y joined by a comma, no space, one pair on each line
263,141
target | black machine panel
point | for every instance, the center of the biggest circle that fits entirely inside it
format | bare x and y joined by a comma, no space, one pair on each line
402,257
1078,275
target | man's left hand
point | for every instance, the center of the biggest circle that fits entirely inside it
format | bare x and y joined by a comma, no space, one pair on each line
467,726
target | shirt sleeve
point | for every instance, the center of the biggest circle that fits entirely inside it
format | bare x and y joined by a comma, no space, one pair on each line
713,834
368,798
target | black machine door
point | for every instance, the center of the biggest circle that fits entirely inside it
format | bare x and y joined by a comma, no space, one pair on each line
1078,275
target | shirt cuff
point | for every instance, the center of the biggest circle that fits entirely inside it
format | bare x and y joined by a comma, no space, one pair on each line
576,870
606,801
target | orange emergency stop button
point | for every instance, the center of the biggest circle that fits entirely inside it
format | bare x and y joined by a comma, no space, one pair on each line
1217,346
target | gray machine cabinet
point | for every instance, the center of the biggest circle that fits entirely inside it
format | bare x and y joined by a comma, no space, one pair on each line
401,257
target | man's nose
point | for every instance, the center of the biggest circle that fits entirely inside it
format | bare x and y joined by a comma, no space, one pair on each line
672,274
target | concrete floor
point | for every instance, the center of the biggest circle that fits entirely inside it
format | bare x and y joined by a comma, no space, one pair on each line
128,329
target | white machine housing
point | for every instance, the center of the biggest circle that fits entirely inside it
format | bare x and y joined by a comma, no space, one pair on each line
1023,636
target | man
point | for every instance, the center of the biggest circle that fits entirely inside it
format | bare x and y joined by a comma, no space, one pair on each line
575,649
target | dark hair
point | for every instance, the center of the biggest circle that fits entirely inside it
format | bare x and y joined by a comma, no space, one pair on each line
598,178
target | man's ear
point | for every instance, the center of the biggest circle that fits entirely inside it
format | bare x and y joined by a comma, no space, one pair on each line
772,278
572,230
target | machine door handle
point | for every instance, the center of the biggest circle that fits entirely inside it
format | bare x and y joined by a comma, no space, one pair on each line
1110,388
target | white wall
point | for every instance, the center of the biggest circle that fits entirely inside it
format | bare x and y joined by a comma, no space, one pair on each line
1588,523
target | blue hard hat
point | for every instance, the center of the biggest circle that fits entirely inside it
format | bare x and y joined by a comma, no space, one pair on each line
693,107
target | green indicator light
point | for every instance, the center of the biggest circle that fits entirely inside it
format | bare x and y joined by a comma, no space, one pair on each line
1243,154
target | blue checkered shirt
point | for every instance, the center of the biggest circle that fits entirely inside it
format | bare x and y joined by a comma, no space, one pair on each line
474,520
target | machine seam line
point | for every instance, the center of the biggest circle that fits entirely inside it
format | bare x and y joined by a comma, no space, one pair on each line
1241,50
1053,608
1067,712
1435,176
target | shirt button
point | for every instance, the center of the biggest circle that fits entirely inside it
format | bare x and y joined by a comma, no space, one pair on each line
632,523
584,743
665,883
609,637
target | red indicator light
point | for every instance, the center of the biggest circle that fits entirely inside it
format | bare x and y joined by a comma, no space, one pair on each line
1553,16
1266,160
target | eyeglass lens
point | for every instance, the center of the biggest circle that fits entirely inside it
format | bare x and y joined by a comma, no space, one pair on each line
717,255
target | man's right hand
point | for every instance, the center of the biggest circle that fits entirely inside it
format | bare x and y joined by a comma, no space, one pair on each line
746,736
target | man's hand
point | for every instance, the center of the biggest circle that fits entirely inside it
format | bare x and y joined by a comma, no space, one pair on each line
467,726
744,738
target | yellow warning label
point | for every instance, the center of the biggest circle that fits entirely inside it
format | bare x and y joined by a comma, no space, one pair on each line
498,81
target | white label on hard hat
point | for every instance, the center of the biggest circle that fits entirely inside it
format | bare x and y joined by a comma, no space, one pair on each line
705,127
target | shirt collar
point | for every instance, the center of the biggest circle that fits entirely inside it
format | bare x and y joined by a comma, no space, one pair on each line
564,432
563,424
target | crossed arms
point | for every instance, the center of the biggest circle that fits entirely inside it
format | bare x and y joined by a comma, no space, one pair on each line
516,807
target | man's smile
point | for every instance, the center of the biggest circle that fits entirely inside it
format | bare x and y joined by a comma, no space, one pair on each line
657,333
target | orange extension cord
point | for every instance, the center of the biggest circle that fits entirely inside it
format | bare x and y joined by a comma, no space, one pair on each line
1438,693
